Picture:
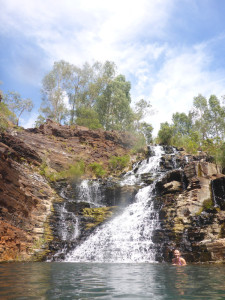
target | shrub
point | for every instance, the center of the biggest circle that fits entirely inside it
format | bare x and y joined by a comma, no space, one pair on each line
140,143
5,115
207,204
75,171
97,169
87,117
165,134
47,172
119,162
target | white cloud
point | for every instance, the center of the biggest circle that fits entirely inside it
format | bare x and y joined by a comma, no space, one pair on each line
182,77
28,120
85,29
132,33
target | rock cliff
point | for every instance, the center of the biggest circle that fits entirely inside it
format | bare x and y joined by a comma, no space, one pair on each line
29,161
191,200
190,194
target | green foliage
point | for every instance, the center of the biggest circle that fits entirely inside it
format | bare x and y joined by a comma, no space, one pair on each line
209,117
47,172
140,143
5,115
221,156
54,94
87,117
97,97
203,128
146,129
75,171
17,105
182,123
40,120
207,204
191,142
118,163
113,105
165,134
97,169
215,148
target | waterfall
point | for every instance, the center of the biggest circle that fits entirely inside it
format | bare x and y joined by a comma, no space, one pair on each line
69,229
127,237
68,222
89,191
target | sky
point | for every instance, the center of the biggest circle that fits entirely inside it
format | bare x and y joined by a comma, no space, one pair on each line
170,50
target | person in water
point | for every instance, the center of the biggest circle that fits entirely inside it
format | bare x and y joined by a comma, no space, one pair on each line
178,260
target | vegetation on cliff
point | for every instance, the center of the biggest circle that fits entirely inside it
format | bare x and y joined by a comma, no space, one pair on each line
94,96
203,128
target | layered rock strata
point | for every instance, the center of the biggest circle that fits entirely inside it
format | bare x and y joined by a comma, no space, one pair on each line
191,201
28,158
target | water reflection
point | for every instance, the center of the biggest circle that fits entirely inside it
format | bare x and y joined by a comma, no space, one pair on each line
197,282
110,281
24,280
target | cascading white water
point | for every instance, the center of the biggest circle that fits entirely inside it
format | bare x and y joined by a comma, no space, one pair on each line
66,230
69,222
149,165
89,191
126,238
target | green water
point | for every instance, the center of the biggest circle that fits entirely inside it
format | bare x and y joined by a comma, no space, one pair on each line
111,281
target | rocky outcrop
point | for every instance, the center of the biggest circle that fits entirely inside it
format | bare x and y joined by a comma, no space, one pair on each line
28,158
192,216
25,204
190,197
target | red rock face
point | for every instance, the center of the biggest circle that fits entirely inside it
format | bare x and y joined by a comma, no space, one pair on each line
23,208
26,197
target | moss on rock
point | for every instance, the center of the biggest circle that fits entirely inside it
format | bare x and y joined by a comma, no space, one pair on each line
98,215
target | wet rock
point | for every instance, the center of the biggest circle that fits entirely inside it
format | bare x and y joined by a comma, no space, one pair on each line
172,187
173,181
218,190
147,178
76,207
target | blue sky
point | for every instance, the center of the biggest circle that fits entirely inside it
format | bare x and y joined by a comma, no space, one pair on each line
170,50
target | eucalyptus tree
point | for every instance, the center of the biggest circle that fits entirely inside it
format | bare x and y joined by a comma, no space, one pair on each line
201,116
146,129
17,105
92,90
216,118
113,105
182,123
86,84
143,108
74,87
88,117
54,92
